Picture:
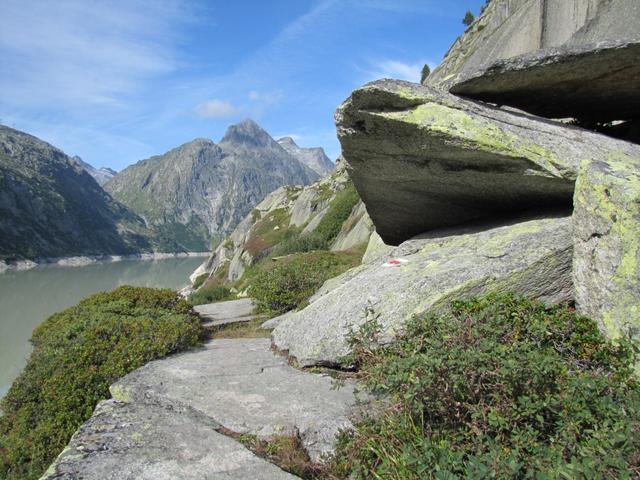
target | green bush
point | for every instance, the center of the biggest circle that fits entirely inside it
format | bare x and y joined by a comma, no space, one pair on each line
77,354
210,293
292,280
498,387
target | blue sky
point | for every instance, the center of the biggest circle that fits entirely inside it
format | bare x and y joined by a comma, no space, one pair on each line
120,80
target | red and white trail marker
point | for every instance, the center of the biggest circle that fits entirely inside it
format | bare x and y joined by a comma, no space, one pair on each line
395,262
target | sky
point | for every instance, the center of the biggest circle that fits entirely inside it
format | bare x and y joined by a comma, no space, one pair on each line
117,81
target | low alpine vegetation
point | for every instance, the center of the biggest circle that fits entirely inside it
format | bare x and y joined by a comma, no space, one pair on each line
290,281
77,354
498,387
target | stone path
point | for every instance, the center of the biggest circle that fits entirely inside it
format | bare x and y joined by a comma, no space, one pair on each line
164,419
222,313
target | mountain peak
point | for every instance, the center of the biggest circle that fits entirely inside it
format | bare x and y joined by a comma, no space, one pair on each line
288,141
247,131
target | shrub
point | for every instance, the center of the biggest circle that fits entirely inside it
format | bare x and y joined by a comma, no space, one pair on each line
498,387
292,280
210,293
77,354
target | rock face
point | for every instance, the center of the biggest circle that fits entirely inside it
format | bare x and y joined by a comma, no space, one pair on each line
125,441
50,206
423,159
531,258
242,386
606,266
314,158
194,195
594,82
514,27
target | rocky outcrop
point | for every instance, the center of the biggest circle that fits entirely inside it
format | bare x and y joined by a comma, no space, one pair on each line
141,441
355,231
314,158
594,82
376,248
194,195
51,207
531,258
423,159
508,28
606,265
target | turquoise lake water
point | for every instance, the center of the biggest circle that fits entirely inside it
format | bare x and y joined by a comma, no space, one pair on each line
27,298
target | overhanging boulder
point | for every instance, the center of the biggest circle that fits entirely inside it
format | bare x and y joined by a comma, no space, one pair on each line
606,268
596,82
423,159
531,258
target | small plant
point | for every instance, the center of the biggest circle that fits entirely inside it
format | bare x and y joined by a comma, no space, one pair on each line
77,354
498,387
468,18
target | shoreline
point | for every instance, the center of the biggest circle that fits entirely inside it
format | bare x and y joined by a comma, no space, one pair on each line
83,260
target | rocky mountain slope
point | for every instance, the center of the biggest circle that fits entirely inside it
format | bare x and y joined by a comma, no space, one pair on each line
194,195
314,158
284,222
51,207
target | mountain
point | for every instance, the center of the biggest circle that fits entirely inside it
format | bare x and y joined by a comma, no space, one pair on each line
101,175
195,194
314,158
51,207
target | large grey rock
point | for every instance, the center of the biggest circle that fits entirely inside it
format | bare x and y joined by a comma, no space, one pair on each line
355,231
508,28
423,159
243,386
376,248
595,82
606,265
124,441
531,258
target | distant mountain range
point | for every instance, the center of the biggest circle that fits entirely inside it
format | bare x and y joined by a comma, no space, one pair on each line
194,195
189,199
51,207
314,158
101,175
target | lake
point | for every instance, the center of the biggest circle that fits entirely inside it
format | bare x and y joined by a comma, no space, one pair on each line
27,298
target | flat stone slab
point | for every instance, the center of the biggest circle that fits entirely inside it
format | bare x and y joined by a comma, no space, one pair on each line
222,313
597,82
531,258
135,441
422,159
244,387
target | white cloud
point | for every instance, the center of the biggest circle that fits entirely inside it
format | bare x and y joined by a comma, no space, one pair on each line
73,53
397,70
216,109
